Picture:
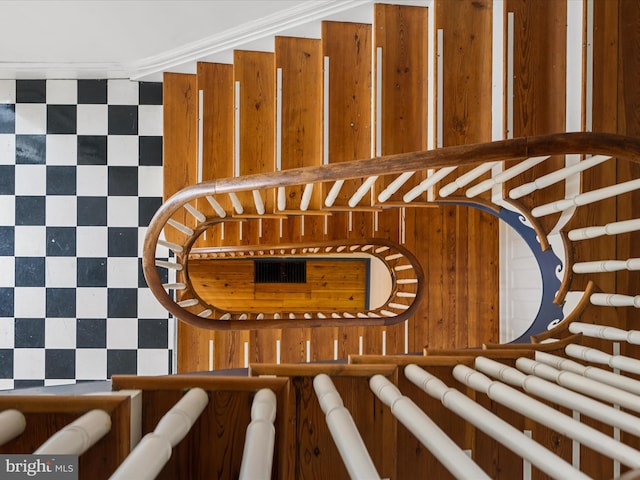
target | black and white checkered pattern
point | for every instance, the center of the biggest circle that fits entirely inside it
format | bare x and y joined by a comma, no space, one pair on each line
80,178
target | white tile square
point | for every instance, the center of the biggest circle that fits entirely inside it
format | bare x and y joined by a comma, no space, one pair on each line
7,149
93,120
122,272
30,241
7,91
150,120
122,333
150,181
122,211
153,361
62,149
91,364
122,92
7,332
91,302
92,180
29,302
60,272
7,272
62,92
6,383
31,180
149,306
7,210
31,118
28,363
91,241
122,150
61,211
60,333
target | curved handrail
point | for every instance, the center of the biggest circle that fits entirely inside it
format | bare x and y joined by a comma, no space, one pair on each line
512,149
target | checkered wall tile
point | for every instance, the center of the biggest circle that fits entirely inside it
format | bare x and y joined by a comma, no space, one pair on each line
80,178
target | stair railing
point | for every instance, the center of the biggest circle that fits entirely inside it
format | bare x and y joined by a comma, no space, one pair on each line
397,169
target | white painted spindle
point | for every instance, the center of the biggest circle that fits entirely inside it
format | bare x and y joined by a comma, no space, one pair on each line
613,228
466,178
362,191
343,430
216,206
77,437
179,226
237,205
454,459
259,442
592,355
146,460
306,197
333,193
12,424
505,175
427,183
257,199
394,186
614,300
169,265
606,332
173,246
606,266
197,214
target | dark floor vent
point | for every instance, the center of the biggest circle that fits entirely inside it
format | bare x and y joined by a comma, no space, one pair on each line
280,271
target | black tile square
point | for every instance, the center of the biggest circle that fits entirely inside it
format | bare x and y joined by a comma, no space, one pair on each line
29,272
29,333
31,149
92,211
150,151
7,118
60,363
153,333
123,181
6,363
7,179
61,241
92,149
91,333
121,362
147,207
163,273
61,302
19,384
7,241
62,119
31,91
91,272
122,302
122,242
61,180
30,210
6,302
123,120
150,93
92,91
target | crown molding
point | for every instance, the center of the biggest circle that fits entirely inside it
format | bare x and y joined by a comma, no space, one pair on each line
307,12
35,70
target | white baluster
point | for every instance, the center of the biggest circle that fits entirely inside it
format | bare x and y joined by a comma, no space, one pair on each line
505,175
173,246
593,355
607,266
225,316
544,414
191,302
260,439
586,198
592,388
343,429
282,199
216,206
427,183
393,256
257,199
406,294
606,332
406,281
12,424
206,313
333,193
614,300
613,228
394,186
146,460
381,249
362,191
398,306
177,422
77,437
169,265
466,178
399,268
306,197
179,226
197,214
492,425
454,459
237,205
557,176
